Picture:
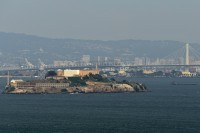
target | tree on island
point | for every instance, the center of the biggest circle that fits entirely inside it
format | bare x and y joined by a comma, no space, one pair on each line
50,74
76,81
95,78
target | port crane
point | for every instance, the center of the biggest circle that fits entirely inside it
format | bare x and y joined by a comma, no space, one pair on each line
42,65
29,64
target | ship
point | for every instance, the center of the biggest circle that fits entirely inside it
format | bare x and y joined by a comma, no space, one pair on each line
176,83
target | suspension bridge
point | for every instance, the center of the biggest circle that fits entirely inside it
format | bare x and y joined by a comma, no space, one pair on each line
183,58
186,55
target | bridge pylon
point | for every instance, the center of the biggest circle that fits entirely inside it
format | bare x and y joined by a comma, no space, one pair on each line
187,58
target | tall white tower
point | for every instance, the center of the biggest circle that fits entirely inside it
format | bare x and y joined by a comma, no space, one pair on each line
187,61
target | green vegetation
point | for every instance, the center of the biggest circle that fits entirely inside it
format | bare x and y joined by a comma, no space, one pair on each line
95,78
63,90
50,74
76,81
9,89
81,81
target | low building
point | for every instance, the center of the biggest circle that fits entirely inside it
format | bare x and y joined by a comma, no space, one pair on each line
60,72
71,73
87,72
148,72
23,84
81,73
16,82
122,73
188,74
51,85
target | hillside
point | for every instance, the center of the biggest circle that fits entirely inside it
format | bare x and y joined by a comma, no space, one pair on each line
15,47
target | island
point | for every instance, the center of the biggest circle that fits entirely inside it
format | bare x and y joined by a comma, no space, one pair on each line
91,82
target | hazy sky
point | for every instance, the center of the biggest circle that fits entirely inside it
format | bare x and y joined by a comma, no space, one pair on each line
103,19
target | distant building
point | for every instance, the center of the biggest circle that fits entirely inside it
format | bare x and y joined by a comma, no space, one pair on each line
59,63
87,72
49,85
86,59
106,59
16,82
71,73
187,74
148,72
99,59
45,84
60,72
140,61
122,73
64,63
117,61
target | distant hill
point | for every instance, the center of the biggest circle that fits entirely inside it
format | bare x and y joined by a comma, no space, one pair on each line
15,47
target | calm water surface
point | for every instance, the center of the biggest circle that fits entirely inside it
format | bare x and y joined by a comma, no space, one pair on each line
167,109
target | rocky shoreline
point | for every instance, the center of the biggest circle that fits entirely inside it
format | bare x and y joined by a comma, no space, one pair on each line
108,88
91,87
92,83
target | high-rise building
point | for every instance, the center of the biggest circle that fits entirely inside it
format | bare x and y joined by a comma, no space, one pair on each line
99,59
86,59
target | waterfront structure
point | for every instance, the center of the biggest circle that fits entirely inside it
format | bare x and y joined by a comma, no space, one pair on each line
148,72
122,73
55,85
16,82
81,73
71,73
60,72
188,74
87,72
37,84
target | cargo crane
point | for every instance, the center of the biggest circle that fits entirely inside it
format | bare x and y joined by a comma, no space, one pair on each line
42,65
29,64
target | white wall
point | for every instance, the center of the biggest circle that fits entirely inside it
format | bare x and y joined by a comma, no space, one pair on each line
71,73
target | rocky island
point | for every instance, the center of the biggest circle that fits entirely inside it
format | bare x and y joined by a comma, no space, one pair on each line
90,83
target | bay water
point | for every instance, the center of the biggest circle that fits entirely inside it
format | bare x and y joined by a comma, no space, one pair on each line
166,108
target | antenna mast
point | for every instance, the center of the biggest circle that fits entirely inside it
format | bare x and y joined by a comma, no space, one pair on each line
8,79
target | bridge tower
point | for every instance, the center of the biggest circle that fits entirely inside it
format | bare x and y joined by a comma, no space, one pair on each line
187,59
